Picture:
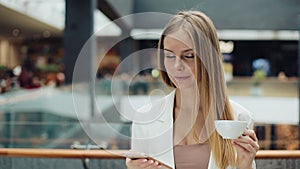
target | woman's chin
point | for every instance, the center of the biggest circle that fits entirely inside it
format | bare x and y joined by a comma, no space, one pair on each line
185,85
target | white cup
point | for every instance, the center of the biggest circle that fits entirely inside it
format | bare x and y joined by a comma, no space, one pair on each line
230,129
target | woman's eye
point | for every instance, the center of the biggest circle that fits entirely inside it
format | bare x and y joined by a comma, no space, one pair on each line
189,56
170,56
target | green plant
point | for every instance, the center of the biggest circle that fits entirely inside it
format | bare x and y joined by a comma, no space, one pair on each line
258,76
49,68
3,69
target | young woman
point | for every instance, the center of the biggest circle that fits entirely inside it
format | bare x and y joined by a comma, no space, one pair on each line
182,133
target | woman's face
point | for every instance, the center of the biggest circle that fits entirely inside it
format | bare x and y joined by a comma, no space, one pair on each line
179,59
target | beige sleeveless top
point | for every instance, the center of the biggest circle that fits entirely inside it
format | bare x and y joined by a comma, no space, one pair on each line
194,156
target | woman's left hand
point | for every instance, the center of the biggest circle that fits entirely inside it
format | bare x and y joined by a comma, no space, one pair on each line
246,146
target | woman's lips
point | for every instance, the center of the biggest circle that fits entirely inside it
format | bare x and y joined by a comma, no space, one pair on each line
181,78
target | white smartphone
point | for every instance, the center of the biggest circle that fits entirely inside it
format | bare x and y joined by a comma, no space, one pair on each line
137,155
134,155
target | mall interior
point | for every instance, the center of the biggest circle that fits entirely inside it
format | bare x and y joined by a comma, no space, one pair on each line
71,70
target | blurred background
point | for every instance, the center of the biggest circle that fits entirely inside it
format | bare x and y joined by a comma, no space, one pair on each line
40,42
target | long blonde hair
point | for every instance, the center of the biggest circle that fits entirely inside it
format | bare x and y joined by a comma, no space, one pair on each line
214,103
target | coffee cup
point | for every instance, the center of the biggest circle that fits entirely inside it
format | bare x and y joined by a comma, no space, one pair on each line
230,129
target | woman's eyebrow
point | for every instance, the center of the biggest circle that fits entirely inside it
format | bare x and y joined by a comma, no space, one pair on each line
168,50
186,50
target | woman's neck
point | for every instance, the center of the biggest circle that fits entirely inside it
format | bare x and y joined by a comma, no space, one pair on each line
185,99
187,120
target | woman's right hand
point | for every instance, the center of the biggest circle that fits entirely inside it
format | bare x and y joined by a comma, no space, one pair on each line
142,163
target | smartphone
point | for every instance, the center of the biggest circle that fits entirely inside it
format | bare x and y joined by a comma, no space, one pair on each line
137,155
134,155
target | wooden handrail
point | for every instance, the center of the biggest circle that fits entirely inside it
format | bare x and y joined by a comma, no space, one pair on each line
117,154
61,153
264,154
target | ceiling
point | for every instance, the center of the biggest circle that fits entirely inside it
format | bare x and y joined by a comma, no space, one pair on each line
15,24
227,15
234,20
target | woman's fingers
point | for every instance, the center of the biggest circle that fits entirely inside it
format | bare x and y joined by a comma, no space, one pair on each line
151,164
248,141
136,162
142,163
251,134
246,146
148,164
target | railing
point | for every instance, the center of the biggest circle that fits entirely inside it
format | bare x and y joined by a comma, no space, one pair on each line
61,153
117,154
272,154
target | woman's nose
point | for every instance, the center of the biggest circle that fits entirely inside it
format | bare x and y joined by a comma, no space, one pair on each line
179,65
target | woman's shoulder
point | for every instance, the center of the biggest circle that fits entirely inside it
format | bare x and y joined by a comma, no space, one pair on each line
241,113
158,109
158,102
